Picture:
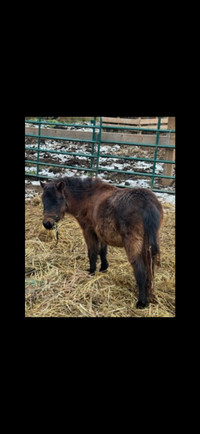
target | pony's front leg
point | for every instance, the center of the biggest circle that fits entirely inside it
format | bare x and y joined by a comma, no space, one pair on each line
92,245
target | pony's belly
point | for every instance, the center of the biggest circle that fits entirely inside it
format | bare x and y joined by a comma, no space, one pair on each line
109,236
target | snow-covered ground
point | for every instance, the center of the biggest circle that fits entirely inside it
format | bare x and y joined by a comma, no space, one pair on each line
104,163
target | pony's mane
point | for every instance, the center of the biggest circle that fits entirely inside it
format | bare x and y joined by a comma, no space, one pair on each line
78,186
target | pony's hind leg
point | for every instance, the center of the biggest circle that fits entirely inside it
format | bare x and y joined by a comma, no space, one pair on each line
141,279
103,253
133,246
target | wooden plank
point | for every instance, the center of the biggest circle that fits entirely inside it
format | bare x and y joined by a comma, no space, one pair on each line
120,121
87,135
55,132
137,138
169,154
150,121
137,121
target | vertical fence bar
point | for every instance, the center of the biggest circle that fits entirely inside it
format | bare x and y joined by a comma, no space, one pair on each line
99,145
93,143
156,151
38,148
169,153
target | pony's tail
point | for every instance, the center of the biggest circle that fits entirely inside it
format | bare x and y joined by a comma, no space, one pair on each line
152,219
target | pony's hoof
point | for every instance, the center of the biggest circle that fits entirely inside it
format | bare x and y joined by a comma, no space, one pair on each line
103,269
104,266
141,305
90,272
152,300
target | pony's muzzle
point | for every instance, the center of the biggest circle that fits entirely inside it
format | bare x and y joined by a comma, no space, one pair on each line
48,223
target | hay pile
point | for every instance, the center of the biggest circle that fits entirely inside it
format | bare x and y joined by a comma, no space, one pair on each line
57,285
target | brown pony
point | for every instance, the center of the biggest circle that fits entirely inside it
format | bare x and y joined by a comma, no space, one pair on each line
128,218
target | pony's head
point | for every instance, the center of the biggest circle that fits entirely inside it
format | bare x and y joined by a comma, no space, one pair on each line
54,202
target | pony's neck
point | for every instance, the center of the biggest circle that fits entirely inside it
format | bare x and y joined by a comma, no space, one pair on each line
75,208
80,193
75,204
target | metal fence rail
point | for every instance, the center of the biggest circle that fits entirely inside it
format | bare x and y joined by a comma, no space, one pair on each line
97,140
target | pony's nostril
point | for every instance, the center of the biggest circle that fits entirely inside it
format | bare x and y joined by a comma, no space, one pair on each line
47,224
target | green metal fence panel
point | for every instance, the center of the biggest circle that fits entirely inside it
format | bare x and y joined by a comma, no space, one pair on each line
97,142
155,160
40,136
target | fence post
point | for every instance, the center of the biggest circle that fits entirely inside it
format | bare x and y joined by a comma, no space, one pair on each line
99,146
38,148
156,151
93,143
169,153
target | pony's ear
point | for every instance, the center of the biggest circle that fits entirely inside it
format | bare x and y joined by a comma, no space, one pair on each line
42,184
60,185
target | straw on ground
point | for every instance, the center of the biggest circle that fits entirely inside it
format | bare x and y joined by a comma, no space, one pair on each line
58,285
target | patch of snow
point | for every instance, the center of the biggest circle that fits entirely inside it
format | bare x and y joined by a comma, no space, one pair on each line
135,183
31,169
69,172
116,166
107,149
102,176
166,198
142,165
35,183
159,167
45,172
29,194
